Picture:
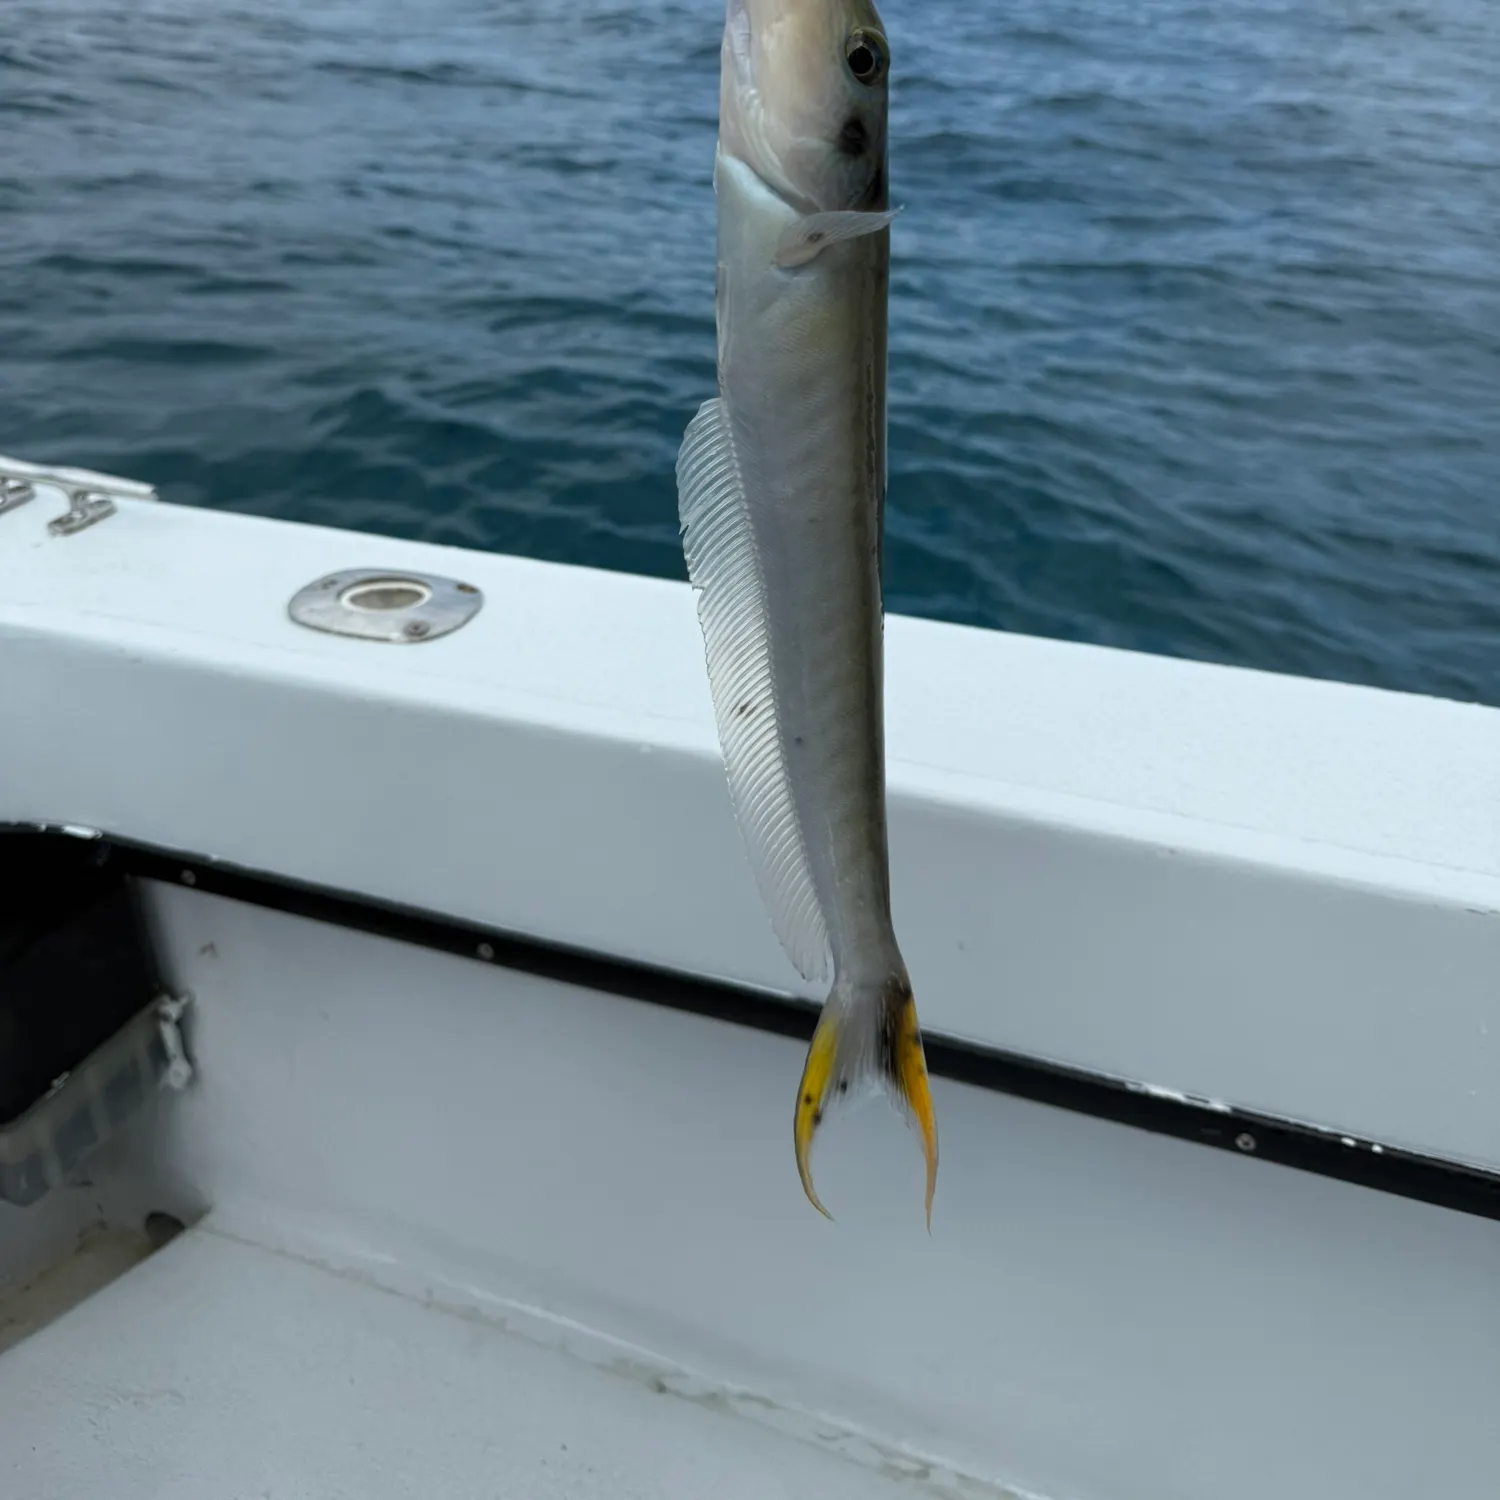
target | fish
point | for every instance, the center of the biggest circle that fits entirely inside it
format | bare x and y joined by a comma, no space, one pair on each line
781,483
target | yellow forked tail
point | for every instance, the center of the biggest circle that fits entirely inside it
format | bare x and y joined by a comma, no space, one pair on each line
863,1039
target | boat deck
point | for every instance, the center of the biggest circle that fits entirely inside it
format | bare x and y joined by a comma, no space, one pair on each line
220,1369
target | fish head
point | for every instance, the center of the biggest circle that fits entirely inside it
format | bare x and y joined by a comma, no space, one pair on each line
803,100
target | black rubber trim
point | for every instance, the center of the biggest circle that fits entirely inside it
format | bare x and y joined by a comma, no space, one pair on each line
1371,1164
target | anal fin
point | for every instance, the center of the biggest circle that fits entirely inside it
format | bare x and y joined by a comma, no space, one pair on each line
725,569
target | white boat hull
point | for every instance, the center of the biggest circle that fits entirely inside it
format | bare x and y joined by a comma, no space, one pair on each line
446,1216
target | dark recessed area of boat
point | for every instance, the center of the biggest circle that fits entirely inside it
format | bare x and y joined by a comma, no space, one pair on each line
75,962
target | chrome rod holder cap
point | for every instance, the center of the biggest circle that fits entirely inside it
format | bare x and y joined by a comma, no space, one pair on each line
375,604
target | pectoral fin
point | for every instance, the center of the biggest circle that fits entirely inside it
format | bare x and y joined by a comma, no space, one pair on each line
808,237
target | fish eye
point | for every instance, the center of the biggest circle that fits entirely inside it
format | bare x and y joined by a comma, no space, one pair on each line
865,54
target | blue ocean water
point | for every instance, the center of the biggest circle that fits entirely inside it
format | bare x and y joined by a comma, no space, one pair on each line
1195,303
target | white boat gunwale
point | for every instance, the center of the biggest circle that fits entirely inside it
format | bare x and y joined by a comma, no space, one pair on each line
1221,884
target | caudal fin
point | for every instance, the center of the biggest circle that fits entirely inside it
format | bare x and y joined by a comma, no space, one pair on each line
868,1039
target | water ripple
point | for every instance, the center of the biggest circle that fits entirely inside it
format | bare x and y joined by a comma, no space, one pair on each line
1195,306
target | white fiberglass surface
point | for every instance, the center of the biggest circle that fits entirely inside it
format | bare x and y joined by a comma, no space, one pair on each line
220,1370
1324,764
1276,893
1098,1313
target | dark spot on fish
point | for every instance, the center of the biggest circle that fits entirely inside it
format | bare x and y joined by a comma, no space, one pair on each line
816,237
853,139
796,739
744,708
817,1117
843,1085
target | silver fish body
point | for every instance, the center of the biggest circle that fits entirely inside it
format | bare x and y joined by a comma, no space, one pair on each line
782,490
